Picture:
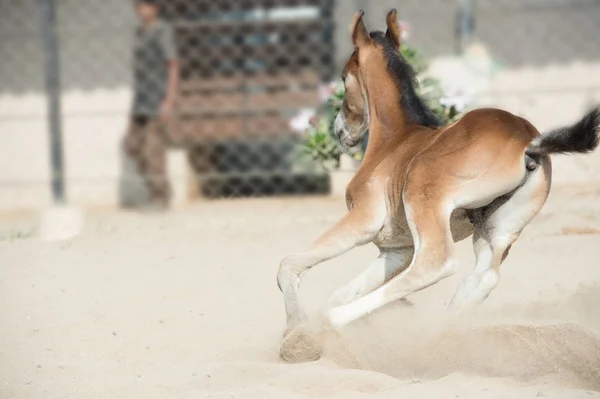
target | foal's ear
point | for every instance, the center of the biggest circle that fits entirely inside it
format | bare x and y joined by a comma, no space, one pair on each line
393,28
360,34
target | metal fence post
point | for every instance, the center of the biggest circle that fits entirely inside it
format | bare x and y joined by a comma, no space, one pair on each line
53,94
465,24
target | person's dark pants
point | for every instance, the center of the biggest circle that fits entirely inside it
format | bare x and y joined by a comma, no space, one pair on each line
146,143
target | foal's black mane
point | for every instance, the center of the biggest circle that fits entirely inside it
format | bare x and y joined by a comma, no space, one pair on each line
404,74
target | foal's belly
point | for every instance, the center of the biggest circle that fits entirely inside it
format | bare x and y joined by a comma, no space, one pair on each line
396,234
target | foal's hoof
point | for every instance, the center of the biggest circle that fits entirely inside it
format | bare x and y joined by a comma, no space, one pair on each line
300,345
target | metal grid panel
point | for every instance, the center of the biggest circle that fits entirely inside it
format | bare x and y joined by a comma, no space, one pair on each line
246,68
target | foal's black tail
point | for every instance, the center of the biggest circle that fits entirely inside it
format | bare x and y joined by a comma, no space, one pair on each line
581,137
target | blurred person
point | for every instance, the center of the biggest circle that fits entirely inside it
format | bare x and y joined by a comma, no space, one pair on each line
156,79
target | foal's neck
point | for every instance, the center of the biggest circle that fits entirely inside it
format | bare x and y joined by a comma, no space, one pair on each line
388,119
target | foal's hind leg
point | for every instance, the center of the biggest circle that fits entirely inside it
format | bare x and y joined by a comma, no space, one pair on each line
429,222
389,263
499,225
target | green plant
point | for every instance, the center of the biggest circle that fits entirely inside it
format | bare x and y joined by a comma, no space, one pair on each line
14,234
320,146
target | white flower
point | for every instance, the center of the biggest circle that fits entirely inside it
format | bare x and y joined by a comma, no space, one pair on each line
325,91
301,122
459,99
404,30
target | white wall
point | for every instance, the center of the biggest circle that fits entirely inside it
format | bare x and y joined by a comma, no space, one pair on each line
93,126
24,155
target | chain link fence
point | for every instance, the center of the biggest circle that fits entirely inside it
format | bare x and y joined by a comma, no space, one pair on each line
246,69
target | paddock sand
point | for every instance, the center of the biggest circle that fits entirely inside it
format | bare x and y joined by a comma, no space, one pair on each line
185,305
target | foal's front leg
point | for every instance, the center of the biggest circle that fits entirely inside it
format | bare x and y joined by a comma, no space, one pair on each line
358,227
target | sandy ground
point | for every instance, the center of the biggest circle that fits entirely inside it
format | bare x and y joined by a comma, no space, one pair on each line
185,305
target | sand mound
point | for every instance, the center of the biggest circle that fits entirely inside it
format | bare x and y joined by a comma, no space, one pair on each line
410,344
565,354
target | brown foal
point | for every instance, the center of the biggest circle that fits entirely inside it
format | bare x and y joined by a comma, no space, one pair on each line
423,186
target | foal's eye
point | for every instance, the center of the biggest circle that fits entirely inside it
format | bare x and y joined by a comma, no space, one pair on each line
344,79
